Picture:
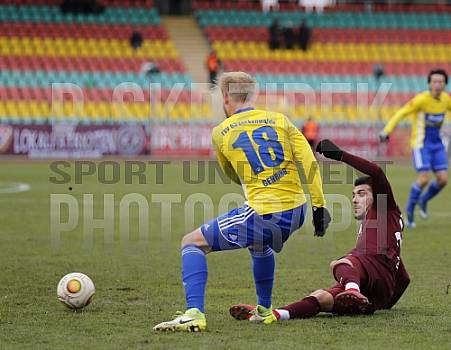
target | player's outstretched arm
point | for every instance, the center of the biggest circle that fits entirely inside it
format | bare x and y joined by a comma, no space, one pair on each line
332,151
380,181
411,107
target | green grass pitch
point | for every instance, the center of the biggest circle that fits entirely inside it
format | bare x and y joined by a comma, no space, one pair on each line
138,288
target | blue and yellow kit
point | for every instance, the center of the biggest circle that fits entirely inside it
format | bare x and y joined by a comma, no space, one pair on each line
428,114
262,149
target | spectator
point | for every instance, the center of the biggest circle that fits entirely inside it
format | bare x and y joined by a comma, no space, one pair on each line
82,6
378,71
288,36
136,39
305,34
310,129
149,68
268,5
274,35
213,66
319,5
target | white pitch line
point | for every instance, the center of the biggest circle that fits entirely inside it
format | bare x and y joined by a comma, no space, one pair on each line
440,213
13,187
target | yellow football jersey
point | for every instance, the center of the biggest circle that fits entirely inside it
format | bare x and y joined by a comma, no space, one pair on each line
262,148
428,116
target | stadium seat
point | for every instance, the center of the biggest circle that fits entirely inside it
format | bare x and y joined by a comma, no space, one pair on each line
40,46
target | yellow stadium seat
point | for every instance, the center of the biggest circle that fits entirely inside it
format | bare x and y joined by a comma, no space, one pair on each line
338,51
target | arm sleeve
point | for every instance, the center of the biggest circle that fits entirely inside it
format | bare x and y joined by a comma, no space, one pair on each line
223,162
401,284
303,154
410,107
380,181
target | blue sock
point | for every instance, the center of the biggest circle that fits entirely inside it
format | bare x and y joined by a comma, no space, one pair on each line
194,276
432,191
415,193
263,264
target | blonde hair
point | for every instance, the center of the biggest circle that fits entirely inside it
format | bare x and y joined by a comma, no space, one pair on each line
240,86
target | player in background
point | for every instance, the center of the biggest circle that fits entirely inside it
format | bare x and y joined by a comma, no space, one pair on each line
258,149
429,111
372,276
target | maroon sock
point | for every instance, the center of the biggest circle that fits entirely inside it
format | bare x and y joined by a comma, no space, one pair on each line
307,307
345,273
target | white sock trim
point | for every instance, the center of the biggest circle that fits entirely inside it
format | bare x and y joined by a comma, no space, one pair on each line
284,314
352,285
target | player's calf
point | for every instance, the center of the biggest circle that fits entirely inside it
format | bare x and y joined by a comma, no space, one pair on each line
423,209
410,219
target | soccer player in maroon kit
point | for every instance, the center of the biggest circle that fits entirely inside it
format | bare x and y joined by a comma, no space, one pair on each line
371,276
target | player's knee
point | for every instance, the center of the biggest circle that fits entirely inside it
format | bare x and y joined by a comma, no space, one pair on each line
197,239
189,239
186,240
338,262
423,179
324,298
442,181
332,264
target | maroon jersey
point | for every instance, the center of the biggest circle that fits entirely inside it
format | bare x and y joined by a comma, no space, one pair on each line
380,233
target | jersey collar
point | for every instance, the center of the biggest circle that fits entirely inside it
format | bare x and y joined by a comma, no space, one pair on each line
435,98
241,110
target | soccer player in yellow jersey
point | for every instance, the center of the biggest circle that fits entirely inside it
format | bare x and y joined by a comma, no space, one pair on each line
429,111
259,150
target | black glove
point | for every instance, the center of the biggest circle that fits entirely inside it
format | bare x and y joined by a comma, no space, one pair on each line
329,149
383,137
321,220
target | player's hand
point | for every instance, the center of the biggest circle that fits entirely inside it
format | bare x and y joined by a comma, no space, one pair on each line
383,137
329,149
321,220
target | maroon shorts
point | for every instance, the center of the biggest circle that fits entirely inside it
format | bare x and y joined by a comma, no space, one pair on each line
377,279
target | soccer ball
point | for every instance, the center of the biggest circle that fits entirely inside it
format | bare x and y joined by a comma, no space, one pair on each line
75,290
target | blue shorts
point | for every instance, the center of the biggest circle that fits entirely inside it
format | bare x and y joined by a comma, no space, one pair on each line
430,157
243,227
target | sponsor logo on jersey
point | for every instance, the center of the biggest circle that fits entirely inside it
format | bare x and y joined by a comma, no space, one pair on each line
434,119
